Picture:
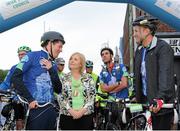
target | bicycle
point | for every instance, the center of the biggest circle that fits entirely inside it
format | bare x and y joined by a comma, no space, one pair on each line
108,117
114,114
99,118
10,97
141,116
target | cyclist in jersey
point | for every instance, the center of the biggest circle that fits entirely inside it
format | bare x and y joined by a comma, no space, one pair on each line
22,51
6,84
113,80
60,65
113,77
60,62
89,70
36,79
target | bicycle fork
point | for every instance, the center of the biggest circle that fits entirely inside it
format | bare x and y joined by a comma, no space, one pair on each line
58,121
149,121
26,118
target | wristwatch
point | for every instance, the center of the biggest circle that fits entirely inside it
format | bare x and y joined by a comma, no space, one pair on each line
118,83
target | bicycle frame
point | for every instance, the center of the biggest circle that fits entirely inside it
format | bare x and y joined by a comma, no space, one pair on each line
10,97
146,115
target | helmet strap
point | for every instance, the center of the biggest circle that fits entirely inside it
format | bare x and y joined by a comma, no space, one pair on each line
145,37
51,55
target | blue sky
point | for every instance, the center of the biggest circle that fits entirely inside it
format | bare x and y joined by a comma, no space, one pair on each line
85,26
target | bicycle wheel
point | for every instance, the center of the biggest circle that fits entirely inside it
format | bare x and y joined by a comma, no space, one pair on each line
10,123
9,126
137,123
100,125
111,126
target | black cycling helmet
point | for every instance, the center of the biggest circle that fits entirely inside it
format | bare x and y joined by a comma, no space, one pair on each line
51,36
146,21
89,64
107,48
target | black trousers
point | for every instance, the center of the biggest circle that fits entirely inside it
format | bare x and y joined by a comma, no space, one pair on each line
19,111
162,122
42,118
84,123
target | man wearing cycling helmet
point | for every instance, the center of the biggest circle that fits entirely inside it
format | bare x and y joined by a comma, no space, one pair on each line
6,84
60,62
22,51
154,75
89,70
60,65
36,78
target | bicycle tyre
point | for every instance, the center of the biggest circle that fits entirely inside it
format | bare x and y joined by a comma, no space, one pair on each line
9,126
137,123
111,126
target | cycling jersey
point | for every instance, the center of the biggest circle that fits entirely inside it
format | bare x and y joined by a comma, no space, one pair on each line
6,83
94,76
109,78
61,74
96,79
38,82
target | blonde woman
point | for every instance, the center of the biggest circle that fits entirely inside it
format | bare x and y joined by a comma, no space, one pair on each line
77,98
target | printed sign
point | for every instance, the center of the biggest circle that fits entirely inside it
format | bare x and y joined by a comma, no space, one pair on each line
171,6
10,8
175,44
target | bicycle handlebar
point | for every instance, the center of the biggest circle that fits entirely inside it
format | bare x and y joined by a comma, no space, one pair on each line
43,105
167,106
127,104
23,101
7,92
12,94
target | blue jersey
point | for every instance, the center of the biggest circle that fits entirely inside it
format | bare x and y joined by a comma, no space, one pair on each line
36,77
6,83
109,78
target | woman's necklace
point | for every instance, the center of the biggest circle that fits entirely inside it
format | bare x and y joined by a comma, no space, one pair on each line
75,85
75,93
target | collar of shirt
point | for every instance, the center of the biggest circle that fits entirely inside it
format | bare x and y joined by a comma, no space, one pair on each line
151,45
48,57
110,67
148,46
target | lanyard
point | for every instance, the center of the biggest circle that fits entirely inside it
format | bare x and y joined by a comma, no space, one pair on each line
144,54
143,72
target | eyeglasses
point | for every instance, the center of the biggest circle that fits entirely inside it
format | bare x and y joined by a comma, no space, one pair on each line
21,54
61,64
89,67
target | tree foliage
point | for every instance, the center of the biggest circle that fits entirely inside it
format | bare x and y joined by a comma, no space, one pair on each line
3,74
